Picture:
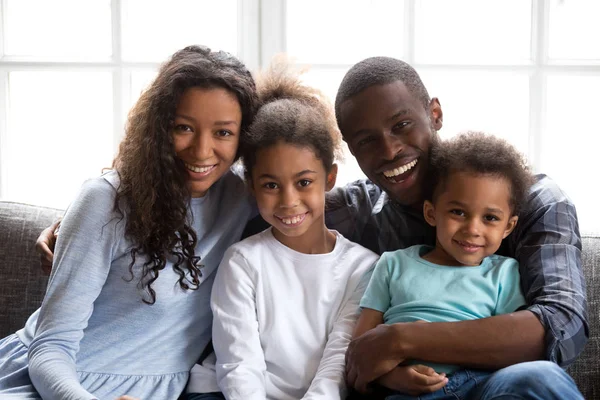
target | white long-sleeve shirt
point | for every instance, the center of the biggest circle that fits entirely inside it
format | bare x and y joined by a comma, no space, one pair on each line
283,319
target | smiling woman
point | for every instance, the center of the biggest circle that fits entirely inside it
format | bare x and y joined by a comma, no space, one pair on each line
206,135
140,243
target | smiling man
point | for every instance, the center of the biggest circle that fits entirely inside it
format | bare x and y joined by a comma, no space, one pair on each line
390,124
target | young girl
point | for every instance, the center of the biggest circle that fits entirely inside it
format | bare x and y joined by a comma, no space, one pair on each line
285,300
127,306
478,186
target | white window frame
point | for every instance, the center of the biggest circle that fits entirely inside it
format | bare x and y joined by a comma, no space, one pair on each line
248,51
262,34
273,41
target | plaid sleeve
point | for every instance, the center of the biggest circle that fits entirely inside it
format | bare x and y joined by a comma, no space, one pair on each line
547,245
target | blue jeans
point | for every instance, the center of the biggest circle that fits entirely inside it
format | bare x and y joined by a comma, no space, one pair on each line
460,386
536,380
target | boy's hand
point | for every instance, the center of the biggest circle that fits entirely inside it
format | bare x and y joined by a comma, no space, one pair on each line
413,379
44,245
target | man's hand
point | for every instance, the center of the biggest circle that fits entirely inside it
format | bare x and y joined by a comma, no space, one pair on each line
44,245
371,355
413,380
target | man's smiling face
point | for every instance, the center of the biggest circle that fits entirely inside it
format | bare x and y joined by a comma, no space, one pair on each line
390,132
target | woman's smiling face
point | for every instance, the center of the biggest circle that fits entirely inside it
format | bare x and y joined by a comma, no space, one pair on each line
206,135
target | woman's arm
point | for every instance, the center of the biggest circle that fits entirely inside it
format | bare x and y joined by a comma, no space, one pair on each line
240,365
72,291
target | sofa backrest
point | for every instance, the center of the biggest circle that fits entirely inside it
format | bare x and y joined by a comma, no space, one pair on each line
586,370
22,283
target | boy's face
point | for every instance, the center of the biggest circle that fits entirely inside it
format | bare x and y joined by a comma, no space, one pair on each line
390,132
472,215
289,183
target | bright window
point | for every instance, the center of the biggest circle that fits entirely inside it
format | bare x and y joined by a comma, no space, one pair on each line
526,70
69,72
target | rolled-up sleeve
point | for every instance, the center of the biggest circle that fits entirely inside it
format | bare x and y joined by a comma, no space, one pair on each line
547,245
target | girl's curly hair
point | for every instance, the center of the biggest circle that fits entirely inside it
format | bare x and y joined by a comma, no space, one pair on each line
153,186
293,113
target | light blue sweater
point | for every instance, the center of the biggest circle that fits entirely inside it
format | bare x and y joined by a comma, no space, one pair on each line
95,337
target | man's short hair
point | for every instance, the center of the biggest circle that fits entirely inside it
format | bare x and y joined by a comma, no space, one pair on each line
379,71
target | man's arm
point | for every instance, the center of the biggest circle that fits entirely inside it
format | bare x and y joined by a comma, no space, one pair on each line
44,245
493,342
547,245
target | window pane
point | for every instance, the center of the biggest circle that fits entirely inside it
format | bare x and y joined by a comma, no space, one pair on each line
71,29
473,31
574,29
496,103
571,141
326,80
139,81
153,30
59,134
344,31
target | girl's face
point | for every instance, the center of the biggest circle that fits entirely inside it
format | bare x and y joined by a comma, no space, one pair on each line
206,134
289,183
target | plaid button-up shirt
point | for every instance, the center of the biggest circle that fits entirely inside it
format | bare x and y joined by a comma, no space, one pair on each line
546,242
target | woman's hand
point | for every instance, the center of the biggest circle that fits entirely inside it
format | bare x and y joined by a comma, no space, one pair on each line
44,245
413,379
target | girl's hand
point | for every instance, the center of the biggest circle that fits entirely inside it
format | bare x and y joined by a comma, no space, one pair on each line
413,379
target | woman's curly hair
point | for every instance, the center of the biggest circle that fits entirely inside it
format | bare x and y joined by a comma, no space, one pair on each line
293,113
153,189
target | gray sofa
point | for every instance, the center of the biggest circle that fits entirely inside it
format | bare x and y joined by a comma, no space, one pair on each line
22,283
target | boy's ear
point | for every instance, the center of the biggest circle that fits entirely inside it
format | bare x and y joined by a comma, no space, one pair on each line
331,177
429,212
510,226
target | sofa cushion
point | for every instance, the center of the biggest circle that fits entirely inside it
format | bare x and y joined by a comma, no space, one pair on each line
586,370
23,284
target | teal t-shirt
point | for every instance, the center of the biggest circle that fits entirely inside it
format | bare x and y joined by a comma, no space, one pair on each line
407,288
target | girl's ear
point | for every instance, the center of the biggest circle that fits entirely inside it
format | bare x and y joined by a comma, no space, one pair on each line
331,177
250,184
429,212
510,226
